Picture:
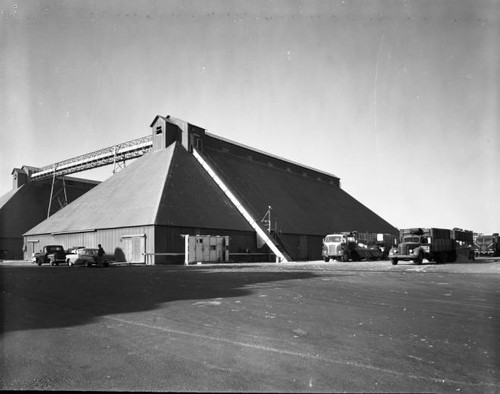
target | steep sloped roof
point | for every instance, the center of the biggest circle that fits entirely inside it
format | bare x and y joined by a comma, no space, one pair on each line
7,196
192,199
25,207
300,204
166,187
129,198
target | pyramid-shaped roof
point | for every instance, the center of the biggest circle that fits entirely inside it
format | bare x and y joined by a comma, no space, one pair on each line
166,187
301,203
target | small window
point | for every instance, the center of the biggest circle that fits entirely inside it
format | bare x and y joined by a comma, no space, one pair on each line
158,130
199,144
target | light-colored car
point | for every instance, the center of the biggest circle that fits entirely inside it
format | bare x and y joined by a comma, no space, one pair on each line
85,256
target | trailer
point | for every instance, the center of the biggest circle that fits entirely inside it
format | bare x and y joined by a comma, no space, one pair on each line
434,244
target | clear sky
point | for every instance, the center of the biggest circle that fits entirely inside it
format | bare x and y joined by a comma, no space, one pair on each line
400,99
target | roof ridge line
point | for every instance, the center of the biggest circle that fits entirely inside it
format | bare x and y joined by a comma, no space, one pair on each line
269,154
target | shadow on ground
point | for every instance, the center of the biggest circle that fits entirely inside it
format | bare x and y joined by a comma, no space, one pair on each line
50,297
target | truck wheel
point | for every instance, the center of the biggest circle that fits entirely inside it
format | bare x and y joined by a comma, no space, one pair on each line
419,259
89,264
326,259
394,261
344,258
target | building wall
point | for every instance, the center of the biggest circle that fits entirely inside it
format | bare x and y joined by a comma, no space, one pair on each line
114,241
159,133
242,244
28,207
303,246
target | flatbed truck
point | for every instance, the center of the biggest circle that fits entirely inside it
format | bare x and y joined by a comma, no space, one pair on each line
434,244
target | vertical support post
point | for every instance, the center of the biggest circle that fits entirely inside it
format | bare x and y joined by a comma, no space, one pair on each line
269,226
65,194
52,191
186,249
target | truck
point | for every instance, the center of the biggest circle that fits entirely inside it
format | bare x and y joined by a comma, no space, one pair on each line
355,246
50,254
434,244
486,245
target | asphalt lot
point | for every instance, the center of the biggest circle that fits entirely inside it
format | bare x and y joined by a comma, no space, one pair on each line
294,327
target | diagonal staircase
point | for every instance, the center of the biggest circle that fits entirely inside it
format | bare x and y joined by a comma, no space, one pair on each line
281,255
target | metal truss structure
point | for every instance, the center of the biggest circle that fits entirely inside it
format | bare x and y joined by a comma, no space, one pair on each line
112,155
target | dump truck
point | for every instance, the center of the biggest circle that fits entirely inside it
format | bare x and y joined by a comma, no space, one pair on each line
355,246
434,244
487,245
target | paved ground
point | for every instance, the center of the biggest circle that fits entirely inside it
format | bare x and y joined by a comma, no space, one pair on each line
294,327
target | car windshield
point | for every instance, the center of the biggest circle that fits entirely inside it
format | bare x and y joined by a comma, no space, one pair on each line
333,238
55,249
88,252
485,239
411,239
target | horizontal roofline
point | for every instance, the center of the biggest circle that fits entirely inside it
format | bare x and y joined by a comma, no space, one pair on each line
269,154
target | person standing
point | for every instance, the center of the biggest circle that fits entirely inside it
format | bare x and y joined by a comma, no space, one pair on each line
100,255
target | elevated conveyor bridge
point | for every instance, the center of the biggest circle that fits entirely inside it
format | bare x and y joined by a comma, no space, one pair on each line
112,155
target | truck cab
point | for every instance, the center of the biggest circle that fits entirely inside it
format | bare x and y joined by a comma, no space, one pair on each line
332,247
351,245
412,247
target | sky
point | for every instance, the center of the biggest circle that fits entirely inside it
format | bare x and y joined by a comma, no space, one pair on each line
400,99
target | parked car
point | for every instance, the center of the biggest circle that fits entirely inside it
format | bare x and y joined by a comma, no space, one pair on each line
52,254
71,254
85,256
72,249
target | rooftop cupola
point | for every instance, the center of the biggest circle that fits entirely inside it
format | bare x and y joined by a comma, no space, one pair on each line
167,130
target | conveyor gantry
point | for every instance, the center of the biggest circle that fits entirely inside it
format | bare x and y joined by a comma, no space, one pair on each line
111,155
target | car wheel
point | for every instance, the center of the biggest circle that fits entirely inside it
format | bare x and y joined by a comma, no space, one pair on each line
38,262
326,259
394,261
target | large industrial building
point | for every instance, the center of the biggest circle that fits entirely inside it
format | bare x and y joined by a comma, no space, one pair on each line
193,182
29,203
